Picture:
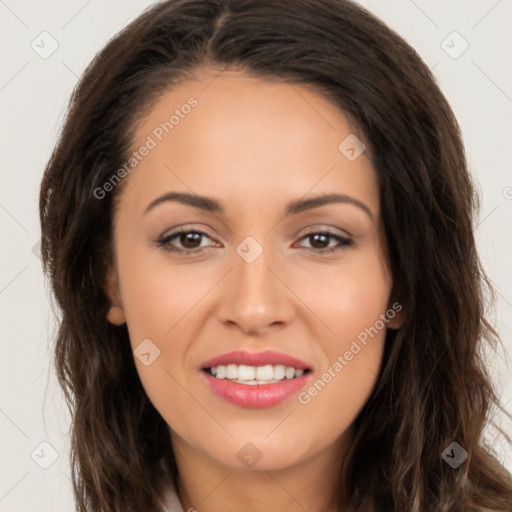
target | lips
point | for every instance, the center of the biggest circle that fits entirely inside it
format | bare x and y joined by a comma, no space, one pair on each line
278,377
256,397
269,357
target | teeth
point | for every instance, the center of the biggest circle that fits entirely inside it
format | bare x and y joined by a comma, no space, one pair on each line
279,371
252,375
246,372
231,371
265,372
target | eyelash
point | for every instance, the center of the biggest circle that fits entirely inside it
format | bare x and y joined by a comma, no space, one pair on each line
164,242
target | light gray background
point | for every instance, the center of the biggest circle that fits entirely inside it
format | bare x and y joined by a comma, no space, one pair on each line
33,95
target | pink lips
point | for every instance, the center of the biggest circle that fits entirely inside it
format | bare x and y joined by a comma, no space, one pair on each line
256,396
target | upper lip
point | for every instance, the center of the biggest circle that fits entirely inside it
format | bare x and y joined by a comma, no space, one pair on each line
239,357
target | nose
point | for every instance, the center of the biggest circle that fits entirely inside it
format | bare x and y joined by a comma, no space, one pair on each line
255,297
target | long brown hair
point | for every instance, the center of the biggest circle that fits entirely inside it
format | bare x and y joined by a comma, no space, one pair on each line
433,388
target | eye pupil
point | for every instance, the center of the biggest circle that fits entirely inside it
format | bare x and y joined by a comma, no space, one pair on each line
190,238
322,238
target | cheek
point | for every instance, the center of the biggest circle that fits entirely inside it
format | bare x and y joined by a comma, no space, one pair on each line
162,303
351,302
330,405
158,295
350,358
348,299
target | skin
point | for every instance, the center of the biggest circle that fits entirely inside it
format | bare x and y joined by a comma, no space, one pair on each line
254,146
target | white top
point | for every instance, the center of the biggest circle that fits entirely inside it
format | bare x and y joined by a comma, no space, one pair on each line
172,501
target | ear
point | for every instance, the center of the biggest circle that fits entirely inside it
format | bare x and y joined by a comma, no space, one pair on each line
396,315
115,314
396,311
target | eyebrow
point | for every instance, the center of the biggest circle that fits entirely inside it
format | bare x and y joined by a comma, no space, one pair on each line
213,206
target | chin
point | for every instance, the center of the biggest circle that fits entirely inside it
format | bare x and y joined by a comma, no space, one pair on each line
255,453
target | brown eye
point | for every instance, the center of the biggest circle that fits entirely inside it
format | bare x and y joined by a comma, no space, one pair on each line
190,240
319,241
184,241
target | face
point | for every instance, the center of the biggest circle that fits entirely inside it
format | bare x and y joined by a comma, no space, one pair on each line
260,268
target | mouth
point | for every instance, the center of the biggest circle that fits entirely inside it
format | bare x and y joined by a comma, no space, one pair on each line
256,380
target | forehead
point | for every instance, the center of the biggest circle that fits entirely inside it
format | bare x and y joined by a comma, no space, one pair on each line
229,132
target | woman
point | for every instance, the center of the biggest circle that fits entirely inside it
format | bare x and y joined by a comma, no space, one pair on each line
258,225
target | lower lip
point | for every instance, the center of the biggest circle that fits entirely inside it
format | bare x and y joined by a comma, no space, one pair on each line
257,396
